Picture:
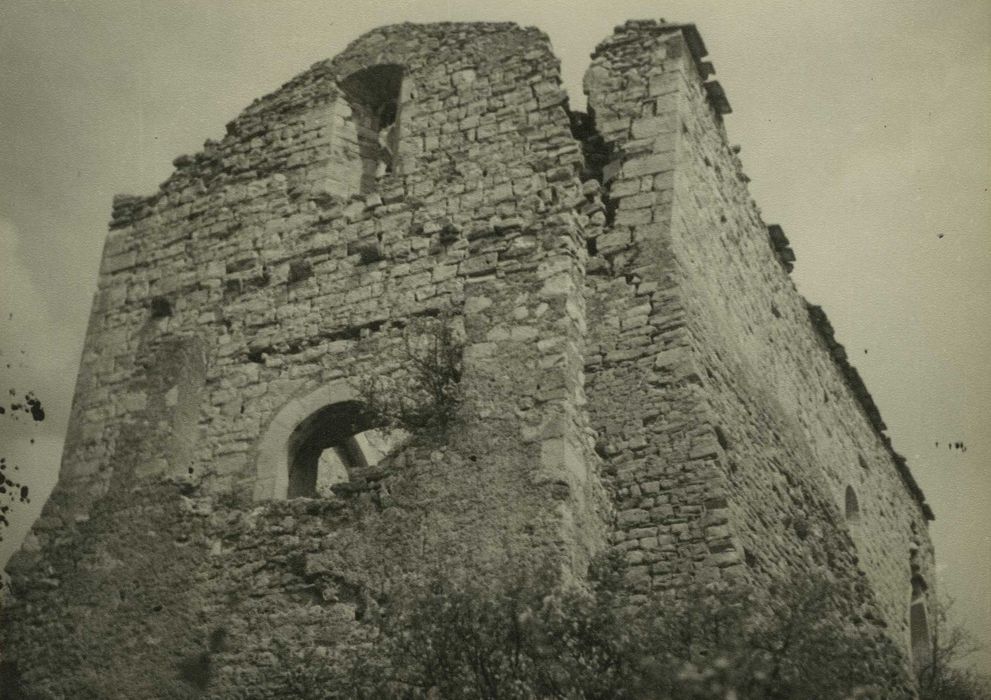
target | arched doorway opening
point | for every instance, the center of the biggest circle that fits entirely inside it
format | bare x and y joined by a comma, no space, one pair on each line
318,439
329,430
331,445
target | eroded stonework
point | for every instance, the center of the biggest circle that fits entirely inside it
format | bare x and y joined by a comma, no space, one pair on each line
639,371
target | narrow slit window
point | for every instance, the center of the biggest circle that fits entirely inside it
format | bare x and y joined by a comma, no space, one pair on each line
852,505
918,621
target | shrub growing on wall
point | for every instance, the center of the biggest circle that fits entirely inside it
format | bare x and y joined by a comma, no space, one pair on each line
425,398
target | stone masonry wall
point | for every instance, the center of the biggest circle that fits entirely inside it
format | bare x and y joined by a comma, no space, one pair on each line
645,396
639,370
792,436
263,277
744,432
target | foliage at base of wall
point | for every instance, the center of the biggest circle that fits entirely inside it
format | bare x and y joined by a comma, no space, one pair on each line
531,639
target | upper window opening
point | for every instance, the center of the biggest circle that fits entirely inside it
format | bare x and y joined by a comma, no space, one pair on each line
375,95
852,505
331,445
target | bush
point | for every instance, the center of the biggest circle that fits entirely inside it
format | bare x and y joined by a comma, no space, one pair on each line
944,676
532,639
426,399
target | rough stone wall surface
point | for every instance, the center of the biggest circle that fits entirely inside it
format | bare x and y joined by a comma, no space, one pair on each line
645,398
638,367
254,254
745,434
792,436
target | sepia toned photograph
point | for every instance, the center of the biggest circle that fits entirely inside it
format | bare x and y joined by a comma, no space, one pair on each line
439,350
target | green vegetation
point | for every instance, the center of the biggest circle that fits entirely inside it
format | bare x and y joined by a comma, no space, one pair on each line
425,399
530,639
946,676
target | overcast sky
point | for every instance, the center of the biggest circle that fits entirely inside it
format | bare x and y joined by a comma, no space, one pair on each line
864,128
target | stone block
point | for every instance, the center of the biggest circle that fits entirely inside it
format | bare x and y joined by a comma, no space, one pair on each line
647,165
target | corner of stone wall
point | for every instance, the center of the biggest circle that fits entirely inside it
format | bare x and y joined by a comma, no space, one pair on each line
786,430
661,445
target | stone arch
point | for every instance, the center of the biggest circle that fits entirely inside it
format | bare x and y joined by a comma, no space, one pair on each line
324,447
290,432
851,505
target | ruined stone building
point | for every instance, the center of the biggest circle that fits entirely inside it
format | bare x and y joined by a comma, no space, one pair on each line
639,371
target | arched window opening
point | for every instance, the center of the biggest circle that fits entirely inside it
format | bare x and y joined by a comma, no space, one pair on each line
852,505
376,95
331,446
918,622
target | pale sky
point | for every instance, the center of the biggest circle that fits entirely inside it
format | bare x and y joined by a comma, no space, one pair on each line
864,128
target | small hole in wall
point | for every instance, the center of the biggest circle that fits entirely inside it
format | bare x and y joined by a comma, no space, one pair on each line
218,639
601,449
721,438
160,308
371,254
591,246
775,312
473,458
299,270
190,470
449,233
863,462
